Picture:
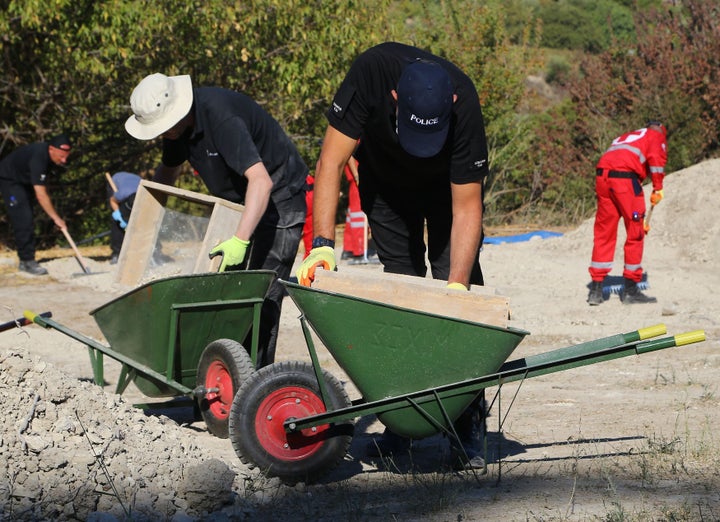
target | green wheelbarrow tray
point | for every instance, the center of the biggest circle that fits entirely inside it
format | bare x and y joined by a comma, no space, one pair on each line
388,351
419,371
158,331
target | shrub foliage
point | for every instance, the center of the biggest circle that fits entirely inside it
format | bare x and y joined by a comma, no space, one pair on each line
70,65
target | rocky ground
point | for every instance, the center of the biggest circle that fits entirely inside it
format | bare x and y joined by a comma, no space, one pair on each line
632,439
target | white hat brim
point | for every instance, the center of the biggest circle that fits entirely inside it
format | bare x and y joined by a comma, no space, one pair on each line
181,107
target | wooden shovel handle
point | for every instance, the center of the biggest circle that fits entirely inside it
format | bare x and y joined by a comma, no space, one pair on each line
75,249
111,182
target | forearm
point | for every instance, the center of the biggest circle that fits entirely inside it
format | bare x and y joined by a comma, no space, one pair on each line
326,193
336,151
464,244
466,232
257,198
46,204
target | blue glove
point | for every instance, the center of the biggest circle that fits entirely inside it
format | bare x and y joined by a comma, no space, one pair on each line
118,217
233,252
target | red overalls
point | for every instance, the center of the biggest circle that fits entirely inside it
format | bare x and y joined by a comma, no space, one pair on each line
307,233
619,174
354,235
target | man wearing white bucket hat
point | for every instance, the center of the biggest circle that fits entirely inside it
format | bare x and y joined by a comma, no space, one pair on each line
243,155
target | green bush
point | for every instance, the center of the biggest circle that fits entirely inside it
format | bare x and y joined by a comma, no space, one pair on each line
587,25
74,66
558,69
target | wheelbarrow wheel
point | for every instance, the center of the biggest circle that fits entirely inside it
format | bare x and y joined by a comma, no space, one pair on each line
274,394
224,365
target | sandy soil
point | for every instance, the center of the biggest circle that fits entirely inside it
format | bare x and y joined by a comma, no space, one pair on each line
630,439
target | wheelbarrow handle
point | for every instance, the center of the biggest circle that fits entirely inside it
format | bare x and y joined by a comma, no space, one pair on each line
695,336
652,331
32,317
689,338
21,321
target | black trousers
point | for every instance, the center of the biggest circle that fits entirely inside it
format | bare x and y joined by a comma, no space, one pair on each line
19,200
398,221
272,249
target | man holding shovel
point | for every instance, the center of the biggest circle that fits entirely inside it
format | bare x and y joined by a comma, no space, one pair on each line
23,179
631,159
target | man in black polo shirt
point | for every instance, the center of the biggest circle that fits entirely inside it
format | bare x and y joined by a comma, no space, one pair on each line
422,162
242,155
23,179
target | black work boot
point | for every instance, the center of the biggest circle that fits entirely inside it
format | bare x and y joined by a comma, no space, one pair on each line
470,428
595,297
631,294
32,267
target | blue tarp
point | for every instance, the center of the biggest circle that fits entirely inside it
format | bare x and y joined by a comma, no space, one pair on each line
542,234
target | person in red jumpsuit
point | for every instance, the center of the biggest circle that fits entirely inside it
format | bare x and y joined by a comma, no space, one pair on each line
307,233
631,159
354,235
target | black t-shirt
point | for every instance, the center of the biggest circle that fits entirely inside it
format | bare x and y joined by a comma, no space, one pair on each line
363,108
232,133
28,165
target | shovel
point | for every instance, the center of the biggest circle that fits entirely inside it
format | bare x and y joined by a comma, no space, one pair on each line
78,256
646,223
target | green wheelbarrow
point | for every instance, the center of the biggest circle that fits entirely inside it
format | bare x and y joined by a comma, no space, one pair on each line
415,370
181,336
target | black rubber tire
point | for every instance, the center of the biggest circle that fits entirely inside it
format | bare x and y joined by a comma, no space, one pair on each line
227,363
258,439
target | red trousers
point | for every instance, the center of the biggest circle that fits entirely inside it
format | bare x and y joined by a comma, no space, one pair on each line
354,235
618,197
307,232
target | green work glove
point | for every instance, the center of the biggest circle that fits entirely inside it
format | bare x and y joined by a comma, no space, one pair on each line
233,252
323,257
457,286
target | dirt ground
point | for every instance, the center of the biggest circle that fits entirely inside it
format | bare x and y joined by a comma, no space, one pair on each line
630,439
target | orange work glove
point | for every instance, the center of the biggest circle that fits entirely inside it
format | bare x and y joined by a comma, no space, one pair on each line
656,197
323,257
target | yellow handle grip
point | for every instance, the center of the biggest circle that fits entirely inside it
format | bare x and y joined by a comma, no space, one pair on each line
652,331
690,337
30,316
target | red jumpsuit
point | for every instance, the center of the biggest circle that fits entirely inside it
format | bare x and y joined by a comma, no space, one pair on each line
630,159
307,232
354,235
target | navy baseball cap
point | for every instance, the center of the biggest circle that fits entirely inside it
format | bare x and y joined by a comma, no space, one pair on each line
425,99
61,141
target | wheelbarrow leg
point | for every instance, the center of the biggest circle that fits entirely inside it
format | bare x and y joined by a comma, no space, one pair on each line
315,363
450,431
96,361
127,375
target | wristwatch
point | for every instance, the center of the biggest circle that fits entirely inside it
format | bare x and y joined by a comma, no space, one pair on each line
320,241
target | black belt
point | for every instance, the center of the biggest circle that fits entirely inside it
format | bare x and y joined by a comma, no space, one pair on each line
617,174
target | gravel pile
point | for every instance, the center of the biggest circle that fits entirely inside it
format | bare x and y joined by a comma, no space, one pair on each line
71,451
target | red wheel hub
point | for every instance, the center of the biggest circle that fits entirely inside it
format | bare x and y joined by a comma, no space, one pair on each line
283,404
219,401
